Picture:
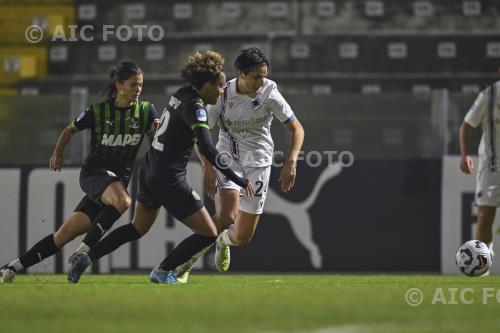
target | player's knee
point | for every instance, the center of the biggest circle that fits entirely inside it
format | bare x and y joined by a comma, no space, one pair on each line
225,219
64,235
122,203
61,240
243,239
141,229
212,231
209,230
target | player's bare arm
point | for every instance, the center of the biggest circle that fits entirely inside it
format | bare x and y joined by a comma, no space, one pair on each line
289,170
154,127
55,162
466,164
208,173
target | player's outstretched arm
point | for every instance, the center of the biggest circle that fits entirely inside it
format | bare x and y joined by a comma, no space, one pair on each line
208,173
212,155
466,164
289,172
55,162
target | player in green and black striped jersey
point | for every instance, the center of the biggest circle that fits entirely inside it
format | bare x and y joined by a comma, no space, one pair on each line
116,133
118,126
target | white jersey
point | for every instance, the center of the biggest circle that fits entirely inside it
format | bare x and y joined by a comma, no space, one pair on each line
245,122
486,111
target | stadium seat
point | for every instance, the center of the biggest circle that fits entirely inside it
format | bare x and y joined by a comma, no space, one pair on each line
19,62
14,19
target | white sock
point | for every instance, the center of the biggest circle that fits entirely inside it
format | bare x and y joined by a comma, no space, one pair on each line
83,248
490,246
17,265
224,239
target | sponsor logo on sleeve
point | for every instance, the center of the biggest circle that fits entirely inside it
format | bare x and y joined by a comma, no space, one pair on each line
201,115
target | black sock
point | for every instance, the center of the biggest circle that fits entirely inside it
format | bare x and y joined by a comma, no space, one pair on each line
185,250
41,250
102,223
114,240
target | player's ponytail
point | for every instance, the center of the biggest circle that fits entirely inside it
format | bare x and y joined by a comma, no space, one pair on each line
121,72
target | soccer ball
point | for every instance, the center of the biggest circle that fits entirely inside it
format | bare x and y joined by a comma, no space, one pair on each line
473,258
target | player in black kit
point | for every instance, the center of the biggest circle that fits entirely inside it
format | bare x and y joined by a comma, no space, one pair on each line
118,126
162,178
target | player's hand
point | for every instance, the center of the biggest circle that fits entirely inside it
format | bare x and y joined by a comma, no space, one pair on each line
55,162
287,175
209,180
154,125
466,164
249,191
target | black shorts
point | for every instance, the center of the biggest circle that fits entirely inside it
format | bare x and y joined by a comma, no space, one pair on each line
95,179
89,207
178,198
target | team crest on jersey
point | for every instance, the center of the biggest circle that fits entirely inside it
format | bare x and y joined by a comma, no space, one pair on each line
134,124
255,103
201,115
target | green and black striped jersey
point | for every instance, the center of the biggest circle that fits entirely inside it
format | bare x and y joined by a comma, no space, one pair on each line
116,133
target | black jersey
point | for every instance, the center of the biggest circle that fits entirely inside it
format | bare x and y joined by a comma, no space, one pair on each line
116,133
173,143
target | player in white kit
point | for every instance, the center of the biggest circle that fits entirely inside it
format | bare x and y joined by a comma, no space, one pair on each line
244,113
485,112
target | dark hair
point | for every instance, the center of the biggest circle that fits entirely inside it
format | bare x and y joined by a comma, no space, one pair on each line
202,67
250,59
122,72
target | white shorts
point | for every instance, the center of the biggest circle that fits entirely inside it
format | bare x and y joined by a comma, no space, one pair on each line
487,187
258,177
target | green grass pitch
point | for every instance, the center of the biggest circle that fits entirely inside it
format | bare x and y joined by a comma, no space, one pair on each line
251,303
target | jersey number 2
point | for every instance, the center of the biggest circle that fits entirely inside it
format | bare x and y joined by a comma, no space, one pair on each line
165,117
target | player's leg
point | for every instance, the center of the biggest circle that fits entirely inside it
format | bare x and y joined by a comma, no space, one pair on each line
227,207
116,201
484,225
242,231
185,204
146,211
487,200
141,223
227,203
75,225
239,233
250,209
205,234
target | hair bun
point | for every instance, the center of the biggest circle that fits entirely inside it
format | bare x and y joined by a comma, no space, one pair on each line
113,72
